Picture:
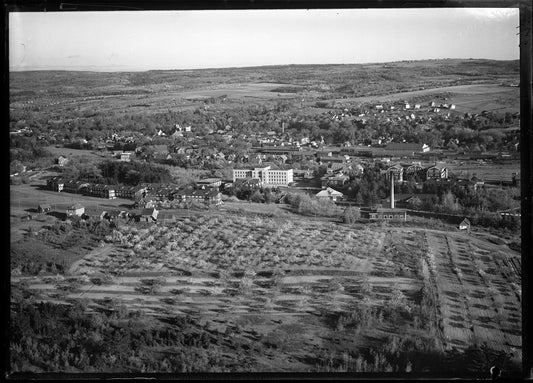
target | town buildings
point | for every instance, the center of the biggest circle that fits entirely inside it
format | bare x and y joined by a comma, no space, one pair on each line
102,191
266,175
207,196
383,214
209,183
436,172
403,149
130,192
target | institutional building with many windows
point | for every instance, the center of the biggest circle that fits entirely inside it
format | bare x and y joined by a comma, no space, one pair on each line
266,175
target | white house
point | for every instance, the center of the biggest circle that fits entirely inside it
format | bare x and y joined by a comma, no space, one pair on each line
464,224
330,194
76,209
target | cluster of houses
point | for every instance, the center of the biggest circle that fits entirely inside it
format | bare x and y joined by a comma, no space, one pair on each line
149,215
60,184
151,200
145,195
432,172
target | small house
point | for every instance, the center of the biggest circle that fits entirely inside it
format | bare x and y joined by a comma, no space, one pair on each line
125,156
209,183
149,215
464,224
44,208
113,215
330,194
62,161
76,209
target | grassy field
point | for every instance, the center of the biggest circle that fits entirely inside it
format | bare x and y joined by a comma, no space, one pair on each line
467,98
485,171
69,153
301,293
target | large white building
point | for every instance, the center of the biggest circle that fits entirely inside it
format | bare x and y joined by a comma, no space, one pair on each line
266,175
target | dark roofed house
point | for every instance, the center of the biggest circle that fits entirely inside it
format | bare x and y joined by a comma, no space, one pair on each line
56,183
73,186
412,169
130,192
146,202
104,191
515,179
383,214
396,171
113,215
404,149
436,172
335,180
44,208
149,215
209,182
410,201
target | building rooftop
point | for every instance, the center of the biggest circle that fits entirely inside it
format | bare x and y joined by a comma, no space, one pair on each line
404,146
209,180
328,193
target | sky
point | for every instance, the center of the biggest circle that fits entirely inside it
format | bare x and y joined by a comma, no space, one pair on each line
149,40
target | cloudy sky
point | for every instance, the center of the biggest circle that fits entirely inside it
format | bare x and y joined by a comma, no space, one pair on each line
139,40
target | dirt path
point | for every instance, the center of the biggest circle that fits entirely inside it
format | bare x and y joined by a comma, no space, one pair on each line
77,267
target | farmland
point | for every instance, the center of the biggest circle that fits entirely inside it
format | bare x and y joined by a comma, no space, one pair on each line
250,284
468,98
484,171
306,295
473,84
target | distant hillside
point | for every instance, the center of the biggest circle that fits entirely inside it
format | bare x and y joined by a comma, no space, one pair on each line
349,79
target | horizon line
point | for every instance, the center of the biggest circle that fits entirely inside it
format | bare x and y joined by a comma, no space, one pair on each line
124,68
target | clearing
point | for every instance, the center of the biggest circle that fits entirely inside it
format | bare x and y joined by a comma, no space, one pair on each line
304,287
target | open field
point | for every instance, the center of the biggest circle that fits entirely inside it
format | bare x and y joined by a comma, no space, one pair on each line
473,84
485,171
479,292
467,98
304,289
69,153
29,196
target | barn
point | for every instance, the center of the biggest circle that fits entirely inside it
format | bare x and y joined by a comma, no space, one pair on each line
464,224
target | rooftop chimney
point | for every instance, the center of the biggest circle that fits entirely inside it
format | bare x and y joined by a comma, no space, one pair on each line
392,190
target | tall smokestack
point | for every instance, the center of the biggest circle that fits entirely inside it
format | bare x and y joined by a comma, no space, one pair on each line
392,190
